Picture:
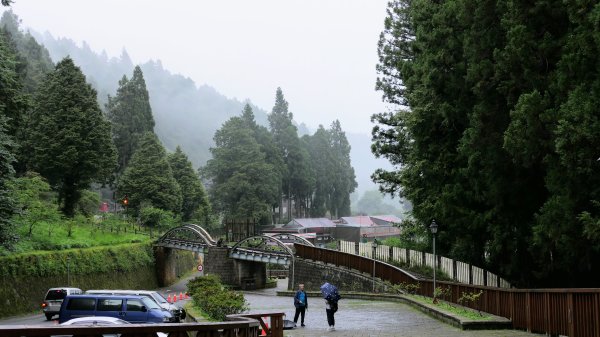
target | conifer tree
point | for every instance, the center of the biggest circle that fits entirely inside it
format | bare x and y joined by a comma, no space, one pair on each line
149,178
7,207
195,203
243,183
69,137
130,114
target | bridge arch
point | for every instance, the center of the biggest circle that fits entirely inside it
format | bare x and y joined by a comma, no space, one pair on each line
291,238
262,248
188,237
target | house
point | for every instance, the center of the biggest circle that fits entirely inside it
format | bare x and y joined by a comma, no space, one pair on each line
361,228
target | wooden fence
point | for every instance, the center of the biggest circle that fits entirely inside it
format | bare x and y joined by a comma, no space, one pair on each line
458,271
568,312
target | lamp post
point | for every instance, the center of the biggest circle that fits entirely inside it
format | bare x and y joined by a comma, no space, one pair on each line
374,245
433,227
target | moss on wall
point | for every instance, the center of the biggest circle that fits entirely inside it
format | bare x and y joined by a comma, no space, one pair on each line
25,278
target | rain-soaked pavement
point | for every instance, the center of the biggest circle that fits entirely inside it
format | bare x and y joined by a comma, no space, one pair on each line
363,318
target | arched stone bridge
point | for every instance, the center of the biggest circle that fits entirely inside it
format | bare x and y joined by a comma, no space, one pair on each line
243,264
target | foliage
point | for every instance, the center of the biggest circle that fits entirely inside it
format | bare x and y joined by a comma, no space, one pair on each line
413,236
35,201
372,203
423,271
130,115
69,136
149,178
470,298
442,292
7,235
89,203
214,299
195,204
497,134
243,183
157,218
116,258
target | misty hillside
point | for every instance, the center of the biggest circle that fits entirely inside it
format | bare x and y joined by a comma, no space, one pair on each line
185,114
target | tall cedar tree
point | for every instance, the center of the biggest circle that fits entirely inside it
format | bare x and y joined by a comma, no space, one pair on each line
345,179
131,116
323,165
149,178
499,137
268,147
69,136
195,203
296,179
32,64
243,183
7,206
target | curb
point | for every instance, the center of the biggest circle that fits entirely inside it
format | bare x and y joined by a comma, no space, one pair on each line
493,323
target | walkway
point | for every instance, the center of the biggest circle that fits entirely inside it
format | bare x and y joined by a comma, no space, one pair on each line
361,318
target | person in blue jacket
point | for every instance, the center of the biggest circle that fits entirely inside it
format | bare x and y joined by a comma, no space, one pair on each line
301,304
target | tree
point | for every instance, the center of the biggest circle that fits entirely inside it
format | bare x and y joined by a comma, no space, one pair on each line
35,201
345,179
243,183
296,178
195,203
130,114
7,207
69,136
149,178
495,132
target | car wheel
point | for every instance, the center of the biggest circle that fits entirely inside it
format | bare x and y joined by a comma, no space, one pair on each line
49,317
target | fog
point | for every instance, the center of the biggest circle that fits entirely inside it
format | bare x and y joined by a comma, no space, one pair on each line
321,53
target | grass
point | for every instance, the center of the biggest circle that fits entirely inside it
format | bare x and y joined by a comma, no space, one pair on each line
198,314
54,236
459,311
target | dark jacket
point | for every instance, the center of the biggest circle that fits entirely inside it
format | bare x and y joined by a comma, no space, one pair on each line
297,302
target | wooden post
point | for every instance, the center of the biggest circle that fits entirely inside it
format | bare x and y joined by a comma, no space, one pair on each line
454,271
570,315
390,253
528,311
423,259
485,278
407,256
470,273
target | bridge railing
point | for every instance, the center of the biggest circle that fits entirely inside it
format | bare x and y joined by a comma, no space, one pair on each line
571,312
457,270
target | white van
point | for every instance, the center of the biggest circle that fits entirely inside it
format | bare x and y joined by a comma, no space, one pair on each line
54,298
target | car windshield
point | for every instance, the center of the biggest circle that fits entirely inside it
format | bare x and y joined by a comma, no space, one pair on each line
158,298
150,304
58,294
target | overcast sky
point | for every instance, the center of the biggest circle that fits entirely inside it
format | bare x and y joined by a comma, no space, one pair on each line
322,53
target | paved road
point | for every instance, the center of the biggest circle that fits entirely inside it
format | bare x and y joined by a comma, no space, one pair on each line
360,318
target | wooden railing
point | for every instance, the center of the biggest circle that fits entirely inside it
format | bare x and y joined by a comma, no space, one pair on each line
457,270
569,312
241,327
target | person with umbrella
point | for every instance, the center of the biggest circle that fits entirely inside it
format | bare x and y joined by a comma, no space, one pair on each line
331,295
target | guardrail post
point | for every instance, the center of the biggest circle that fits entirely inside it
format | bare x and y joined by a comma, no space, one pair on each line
357,248
454,271
390,253
485,279
407,256
470,273
423,259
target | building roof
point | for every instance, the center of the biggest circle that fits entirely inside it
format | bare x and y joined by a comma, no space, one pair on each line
386,219
357,221
310,223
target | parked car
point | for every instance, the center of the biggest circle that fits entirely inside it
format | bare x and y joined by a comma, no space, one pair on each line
54,298
101,321
133,309
178,313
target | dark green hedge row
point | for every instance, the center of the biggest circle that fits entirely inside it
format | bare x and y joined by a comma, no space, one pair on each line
24,279
95,260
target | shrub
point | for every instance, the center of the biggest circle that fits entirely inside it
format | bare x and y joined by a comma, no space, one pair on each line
214,299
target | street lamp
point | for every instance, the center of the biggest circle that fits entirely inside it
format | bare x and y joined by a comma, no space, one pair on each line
433,227
374,245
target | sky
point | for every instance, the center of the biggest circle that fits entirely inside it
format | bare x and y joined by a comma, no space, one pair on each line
322,53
